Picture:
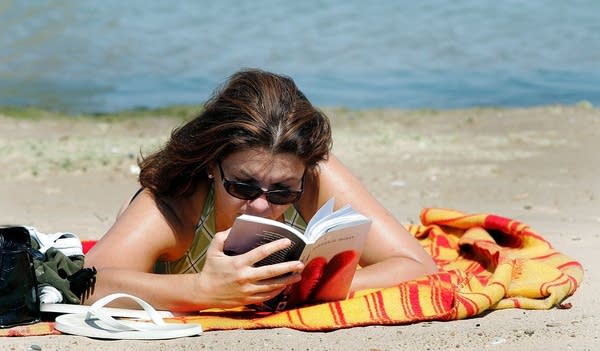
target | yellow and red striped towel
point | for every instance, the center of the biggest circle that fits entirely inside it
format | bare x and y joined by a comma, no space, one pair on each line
486,262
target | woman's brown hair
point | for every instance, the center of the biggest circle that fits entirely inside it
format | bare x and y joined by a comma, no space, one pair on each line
254,109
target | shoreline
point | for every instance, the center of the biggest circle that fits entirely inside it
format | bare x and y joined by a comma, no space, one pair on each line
536,165
186,110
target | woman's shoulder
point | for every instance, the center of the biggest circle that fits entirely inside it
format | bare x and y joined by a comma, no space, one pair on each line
332,179
187,210
149,229
182,216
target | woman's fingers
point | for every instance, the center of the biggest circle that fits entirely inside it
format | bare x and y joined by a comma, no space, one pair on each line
235,280
279,281
284,272
280,273
270,277
219,240
269,288
265,250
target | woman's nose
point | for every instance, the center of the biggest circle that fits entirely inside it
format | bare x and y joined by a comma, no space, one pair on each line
259,206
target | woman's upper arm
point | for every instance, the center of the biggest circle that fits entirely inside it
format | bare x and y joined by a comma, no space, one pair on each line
387,237
138,238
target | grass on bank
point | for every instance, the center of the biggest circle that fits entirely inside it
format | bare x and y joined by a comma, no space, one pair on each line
36,113
187,112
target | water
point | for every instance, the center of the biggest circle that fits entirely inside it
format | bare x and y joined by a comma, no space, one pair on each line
100,56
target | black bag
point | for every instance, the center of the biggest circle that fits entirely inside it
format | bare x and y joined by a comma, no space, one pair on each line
19,299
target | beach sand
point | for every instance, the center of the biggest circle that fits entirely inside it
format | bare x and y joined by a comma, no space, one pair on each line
537,165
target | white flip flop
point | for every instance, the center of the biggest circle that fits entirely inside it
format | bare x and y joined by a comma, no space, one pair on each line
97,323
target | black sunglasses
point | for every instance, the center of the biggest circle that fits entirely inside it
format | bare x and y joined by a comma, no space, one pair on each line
247,191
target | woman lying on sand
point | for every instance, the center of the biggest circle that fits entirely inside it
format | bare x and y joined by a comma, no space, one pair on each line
259,147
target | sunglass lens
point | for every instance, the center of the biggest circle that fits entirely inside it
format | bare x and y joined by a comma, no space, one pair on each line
244,191
282,197
250,192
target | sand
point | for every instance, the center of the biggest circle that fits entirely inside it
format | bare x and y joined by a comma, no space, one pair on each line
538,165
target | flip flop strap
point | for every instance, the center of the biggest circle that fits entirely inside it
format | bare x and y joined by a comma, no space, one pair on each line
95,312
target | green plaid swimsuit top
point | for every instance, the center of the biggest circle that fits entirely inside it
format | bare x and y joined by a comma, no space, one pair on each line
193,260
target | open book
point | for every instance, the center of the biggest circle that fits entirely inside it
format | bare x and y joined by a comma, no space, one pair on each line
329,248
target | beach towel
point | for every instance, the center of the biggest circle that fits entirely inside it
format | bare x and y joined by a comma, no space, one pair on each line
486,262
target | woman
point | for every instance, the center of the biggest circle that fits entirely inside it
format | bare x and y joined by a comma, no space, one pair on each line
259,147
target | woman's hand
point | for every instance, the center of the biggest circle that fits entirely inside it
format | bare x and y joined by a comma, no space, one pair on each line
231,281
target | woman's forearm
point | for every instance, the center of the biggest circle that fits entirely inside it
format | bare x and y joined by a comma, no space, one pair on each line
390,272
174,292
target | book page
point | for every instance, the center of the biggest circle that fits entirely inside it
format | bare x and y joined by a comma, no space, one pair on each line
345,217
324,211
342,238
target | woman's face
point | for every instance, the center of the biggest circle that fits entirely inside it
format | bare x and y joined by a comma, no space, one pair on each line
257,167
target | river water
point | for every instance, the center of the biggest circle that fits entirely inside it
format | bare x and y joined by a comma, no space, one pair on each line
102,56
